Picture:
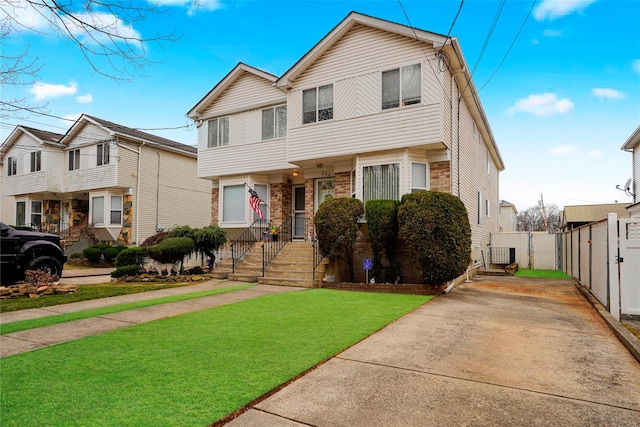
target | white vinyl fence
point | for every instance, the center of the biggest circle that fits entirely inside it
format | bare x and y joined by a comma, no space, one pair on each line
534,250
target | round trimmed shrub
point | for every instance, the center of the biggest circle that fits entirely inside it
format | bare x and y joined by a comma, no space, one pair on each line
76,255
110,253
436,228
101,246
126,270
155,238
92,254
171,249
131,256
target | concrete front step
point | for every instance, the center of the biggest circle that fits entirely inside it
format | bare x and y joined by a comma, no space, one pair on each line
285,282
243,278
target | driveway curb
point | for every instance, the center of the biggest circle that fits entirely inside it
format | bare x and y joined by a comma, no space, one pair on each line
626,338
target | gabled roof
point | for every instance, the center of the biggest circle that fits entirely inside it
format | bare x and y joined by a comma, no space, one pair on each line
339,31
504,203
116,129
227,81
592,213
41,136
633,140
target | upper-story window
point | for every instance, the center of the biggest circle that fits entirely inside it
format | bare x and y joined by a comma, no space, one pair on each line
274,122
317,104
36,161
218,132
401,87
74,159
12,166
103,154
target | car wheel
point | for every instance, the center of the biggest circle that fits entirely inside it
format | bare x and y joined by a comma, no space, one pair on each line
46,263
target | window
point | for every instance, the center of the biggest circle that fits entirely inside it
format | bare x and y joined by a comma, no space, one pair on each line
21,213
419,180
12,166
36,213
274,122
103,154
474,131
97,210
74,159
36,161
479,208
261,189
487,206
401,84
488,162
381,182
317,104
233,203
218,132
116,210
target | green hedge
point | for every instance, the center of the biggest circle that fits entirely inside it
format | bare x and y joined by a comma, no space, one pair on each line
172,249
382,220
126,270
92,254
131,256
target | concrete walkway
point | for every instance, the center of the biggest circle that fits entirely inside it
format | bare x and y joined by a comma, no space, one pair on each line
31,339
499,351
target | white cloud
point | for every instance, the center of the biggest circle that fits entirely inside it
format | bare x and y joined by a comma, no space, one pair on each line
563,150
545,104
193,6
84,99
635,64
46,90
553,33
552,9
595,154
607,93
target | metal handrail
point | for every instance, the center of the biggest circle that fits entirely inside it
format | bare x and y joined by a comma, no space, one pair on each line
317,258
246,240
270,249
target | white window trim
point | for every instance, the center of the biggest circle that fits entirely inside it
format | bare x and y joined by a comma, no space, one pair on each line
12,168
218,143
248,211
71,154
275,123
35,160
400,99
105,153
479,208
106,209
427,177
317,108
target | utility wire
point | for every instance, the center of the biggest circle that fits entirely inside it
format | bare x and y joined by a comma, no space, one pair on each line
455,18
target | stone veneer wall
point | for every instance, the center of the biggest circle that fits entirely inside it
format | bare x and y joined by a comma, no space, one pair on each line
79,211
214,206
343,184
127,220
440,176
51,212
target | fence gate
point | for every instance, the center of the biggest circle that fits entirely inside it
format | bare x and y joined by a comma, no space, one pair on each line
629,249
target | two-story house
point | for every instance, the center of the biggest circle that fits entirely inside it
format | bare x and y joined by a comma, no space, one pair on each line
508,216
374,110
632,145
125,183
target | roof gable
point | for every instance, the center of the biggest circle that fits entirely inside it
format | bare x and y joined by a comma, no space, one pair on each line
633,140
219,89
40,136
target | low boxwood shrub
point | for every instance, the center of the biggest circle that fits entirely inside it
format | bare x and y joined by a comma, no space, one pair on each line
101,246
110,253
131,256
171,249
76,255
92,254
126,270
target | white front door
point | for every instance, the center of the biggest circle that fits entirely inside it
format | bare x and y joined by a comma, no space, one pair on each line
298,212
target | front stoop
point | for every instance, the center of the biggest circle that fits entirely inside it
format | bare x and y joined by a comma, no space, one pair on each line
293,266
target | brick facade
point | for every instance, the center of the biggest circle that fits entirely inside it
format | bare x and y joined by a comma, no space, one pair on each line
280,202
440,176
214,206
343,184
309,202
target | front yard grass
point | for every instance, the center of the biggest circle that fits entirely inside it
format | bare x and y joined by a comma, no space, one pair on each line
86,292
23,325
549,274
191,369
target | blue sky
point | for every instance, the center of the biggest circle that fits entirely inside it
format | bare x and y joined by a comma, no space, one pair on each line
561,105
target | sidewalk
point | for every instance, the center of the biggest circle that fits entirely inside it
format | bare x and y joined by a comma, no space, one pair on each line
20,342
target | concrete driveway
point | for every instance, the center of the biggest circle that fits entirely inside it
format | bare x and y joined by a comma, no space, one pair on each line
498,351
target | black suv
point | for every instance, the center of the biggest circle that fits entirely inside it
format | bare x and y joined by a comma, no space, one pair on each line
28,250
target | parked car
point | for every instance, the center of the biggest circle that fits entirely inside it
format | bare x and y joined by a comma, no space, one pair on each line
22,250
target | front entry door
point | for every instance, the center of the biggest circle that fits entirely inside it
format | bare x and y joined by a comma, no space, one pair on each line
298,212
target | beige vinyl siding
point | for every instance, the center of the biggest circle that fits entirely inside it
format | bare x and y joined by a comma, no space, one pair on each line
48,178
247,92
127,164
89,134
7,203
635,188
398,128
174,197
90,176
52,164
263,157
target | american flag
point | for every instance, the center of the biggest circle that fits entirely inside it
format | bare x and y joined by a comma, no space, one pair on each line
255,201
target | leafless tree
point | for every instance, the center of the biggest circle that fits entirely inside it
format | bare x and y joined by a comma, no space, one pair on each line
102,30
533,218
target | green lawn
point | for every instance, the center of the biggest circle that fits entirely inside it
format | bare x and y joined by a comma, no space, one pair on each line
23,325
86,292
549,274
192,369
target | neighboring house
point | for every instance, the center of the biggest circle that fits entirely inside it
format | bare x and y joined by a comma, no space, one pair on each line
125,183
579,215
508,216
633,145
374,110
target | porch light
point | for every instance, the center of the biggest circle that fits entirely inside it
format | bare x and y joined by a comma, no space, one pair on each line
295,173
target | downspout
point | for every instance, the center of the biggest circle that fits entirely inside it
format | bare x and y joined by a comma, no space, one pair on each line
157,192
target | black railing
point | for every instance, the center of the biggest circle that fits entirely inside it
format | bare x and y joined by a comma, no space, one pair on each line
274,242
45,227
317,258
247,239
502,255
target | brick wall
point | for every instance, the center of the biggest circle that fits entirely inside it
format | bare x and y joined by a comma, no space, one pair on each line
343,184
214,206
440,176
308,201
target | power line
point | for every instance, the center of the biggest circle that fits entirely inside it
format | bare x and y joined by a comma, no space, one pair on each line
455,18
489,34
511,46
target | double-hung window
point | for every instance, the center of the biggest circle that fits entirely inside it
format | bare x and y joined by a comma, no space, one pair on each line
12,166
36,213
317,104
274,122
218,132
74,159
381,182
116,210
401,87
103,154
419,180
36,161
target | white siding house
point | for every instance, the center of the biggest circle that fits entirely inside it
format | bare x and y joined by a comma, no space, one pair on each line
633,146
374,110
125,183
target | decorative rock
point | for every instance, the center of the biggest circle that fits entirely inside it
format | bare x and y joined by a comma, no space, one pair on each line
42,289
34,296
196,278
5,291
